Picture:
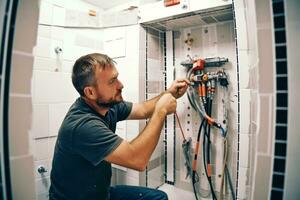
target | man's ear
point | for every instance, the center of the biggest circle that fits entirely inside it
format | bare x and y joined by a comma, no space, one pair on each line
90,92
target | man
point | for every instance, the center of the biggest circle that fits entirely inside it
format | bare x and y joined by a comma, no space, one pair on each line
86,143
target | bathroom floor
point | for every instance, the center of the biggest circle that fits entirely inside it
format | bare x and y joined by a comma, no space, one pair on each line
175,193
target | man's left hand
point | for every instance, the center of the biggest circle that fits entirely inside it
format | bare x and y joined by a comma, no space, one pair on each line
179,87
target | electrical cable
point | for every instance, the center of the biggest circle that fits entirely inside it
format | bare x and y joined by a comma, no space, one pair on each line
195,160
204,163
204,108
181,130
230,183
208,164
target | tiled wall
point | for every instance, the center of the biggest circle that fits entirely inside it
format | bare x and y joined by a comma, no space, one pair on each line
52,88
255,64
155,84
20,103
261,88
51,92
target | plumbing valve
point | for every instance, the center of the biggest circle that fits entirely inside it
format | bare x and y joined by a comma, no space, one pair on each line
41,169
58,50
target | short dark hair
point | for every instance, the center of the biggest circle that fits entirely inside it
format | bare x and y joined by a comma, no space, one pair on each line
83,73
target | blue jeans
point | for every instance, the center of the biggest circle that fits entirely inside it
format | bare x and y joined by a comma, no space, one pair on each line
126,192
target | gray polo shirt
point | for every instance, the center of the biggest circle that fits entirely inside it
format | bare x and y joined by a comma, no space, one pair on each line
85,138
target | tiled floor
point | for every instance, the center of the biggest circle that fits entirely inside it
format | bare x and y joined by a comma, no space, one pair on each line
175,193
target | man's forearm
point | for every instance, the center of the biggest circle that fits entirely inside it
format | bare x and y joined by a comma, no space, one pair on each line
145,143
149,105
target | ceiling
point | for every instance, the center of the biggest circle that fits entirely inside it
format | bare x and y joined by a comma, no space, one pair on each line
107,4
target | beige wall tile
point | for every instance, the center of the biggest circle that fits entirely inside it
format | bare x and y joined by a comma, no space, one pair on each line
262,177
263,14
153,47
264,131
253,110
253,75
22,178
266,71
26,26
19,125
22,66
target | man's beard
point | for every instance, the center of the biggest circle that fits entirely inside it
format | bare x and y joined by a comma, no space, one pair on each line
109,103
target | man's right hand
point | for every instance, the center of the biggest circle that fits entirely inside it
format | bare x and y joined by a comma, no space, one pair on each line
167,103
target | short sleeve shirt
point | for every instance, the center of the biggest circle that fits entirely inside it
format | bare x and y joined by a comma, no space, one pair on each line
85,138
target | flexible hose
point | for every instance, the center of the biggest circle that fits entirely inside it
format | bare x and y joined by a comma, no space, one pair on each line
195,160
230,183
205,112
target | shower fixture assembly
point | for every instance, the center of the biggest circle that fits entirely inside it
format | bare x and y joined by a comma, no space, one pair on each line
201,94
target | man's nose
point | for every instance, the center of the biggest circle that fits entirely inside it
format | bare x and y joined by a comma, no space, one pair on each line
121,86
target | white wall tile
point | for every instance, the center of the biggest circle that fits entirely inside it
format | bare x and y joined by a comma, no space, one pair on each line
242,190
57,33
128,79
132,42
245,110
44,31
46,12
61,3
42,185
67,66
239,4
132,181
244,151
43,196
44,63
53,87
40,121
57,113
42,47
241,26
244,69
41,149
132,173
51,147
58,17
